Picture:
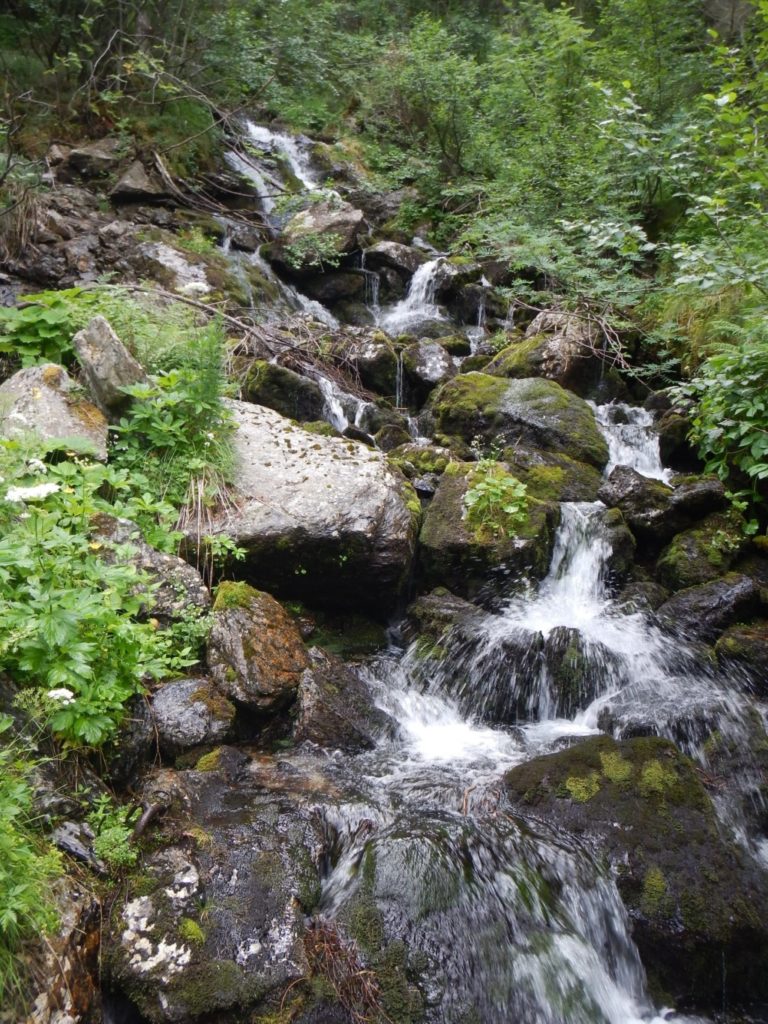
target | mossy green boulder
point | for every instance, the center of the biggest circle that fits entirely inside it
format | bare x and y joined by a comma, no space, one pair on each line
283,390
552,476
467,560
534,412
697,902
702,553
743,650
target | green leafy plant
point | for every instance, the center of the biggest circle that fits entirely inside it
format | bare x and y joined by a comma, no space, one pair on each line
495,503
113,827
313,250
195,240
28,867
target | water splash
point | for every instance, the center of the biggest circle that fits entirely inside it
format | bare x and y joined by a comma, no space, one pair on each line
419,304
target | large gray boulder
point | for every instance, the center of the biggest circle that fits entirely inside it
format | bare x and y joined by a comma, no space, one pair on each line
703,612
95,158
318,517
312,236
135,185
188,713
405,259
43,401
108,366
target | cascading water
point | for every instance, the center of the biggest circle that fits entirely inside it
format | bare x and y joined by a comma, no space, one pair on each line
286,147
523,923
270,182
372,291
419,304
476,334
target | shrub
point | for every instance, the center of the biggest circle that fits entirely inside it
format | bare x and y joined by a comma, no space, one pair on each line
496,503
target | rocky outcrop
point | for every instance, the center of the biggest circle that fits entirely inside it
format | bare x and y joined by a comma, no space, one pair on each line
318,516
697,904
743,650
655,511
425,365
702,553
405,259
283,390
537,413
107,365
174,590
188,713
323,232
255,652
335,708
469,561
552,476
559,346
135,185
240,848
703,612
43,401
95,158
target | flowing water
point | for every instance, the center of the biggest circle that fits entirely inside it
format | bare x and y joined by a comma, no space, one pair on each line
418,306
517,921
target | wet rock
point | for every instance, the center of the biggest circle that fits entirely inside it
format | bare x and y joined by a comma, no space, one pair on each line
641,596
75,838
552,476
697,903
135,185
108,366
703,612
559,346
373,357
319,517
744,648
188,713
128,753
334,286
255,652
414,460
391,436
654,511
576,668
335,708
44,401
703,552
63,988
621,543
405,259
283,390
433,615
675,449
95,158
249,859
176,589
467,560
167,265
535,412
425,365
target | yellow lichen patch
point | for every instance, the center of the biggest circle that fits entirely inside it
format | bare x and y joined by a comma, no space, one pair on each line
584,788
656,779
654,891
615,767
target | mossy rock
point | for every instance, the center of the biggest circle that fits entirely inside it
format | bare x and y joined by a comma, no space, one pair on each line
531,411
467,561
698,904
416,459
554,356
744,649
703,553
283,390
552,476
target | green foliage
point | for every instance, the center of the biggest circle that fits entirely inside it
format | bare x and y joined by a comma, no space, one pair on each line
730,421
41,330
496,503
28,868
113,828
195,240
313,250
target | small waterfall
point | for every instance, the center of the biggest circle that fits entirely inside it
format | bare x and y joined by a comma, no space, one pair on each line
372,290
341,409
419,304
477,333
288,148
293,298
399,388
266,186
631,440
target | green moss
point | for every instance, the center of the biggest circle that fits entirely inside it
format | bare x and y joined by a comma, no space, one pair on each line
615,768
583,789
210,762
232,594
656,779
654,895
401,1001
517,359
319,427
703,553
218,705
191,931
214,985
366,923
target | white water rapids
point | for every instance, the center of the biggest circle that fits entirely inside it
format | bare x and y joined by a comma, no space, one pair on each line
533,931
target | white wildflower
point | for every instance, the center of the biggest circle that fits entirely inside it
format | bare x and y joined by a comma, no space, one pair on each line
37,465
62,695
31,493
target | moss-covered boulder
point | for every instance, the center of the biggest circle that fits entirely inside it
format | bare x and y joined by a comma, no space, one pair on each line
469,559
372,356
702,553
697,903
654,511
743,648
675,449
211,924
558,346
255,652
552,476
414,460
703,612
283,390
535,412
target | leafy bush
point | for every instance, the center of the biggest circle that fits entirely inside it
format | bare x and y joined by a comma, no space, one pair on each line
27,868
496,503
113,827
313,250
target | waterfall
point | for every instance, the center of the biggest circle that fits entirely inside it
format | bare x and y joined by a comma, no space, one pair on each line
477,333
269,182
631,441
419,304
525,925
288,148
372,290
